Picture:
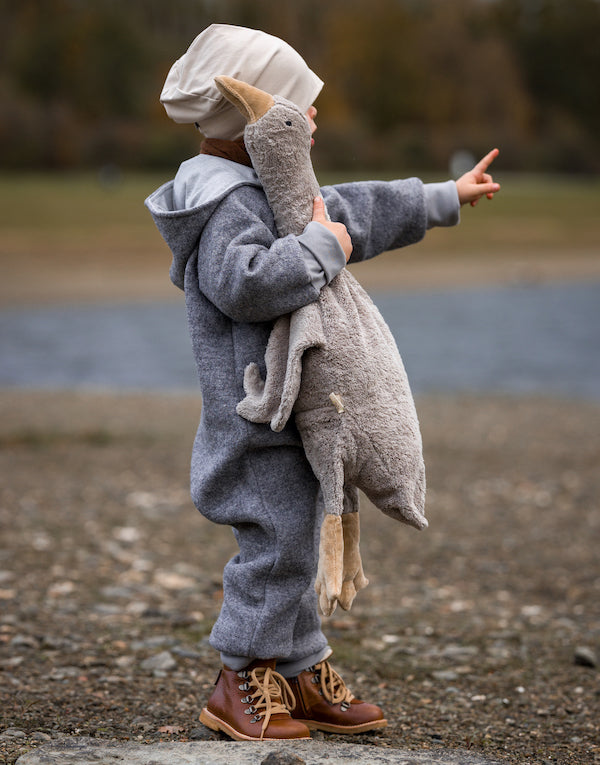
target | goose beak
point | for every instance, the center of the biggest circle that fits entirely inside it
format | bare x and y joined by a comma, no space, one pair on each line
252,102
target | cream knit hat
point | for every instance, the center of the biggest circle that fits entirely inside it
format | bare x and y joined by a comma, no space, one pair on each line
190,94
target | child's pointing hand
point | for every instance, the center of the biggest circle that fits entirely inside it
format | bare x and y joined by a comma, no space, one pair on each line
473,185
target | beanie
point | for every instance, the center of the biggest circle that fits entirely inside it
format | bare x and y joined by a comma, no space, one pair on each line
190,95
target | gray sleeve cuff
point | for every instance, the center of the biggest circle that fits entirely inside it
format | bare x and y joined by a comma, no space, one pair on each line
322,252
443,205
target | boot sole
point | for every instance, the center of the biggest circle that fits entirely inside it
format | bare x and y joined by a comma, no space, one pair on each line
215,723
347,730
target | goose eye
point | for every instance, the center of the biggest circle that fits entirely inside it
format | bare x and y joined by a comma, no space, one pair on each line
288,123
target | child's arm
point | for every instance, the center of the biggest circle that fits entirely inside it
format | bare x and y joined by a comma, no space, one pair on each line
477,182
380,215
383,216
249,273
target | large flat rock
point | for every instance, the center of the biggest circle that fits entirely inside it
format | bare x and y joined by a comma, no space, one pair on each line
91,752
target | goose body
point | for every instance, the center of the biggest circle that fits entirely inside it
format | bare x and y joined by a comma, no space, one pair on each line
333,364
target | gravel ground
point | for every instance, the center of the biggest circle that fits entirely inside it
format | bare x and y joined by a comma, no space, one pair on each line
481,633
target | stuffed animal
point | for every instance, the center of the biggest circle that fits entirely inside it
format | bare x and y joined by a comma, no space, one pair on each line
333,363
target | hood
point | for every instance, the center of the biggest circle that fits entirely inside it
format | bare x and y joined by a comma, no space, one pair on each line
181,207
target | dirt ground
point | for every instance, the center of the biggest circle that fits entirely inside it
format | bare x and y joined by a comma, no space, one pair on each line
477,633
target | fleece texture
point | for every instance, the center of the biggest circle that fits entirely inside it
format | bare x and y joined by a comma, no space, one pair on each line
334,362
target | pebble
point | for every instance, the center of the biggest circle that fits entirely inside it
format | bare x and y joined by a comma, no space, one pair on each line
59,589
453,650
13,733
171,581
282,758
62,673
202,734
12,662
127,534
40,736
585,657
158,641
115,592
107,609
143,723
186,653
444,674
161,662
24,641
124,662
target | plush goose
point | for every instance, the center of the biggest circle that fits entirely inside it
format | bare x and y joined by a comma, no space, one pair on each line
334,364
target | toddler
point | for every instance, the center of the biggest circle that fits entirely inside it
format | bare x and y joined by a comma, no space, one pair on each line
276,680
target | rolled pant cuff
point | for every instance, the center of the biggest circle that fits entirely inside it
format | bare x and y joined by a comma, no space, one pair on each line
285,668
292,668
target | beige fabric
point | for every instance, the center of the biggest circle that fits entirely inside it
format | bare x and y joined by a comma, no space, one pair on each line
340,573
190,94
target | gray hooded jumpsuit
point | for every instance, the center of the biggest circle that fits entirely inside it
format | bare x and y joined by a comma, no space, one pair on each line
238,277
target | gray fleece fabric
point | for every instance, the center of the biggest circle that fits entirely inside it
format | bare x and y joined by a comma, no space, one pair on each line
238,277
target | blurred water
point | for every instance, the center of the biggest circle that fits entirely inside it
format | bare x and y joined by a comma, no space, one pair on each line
539,339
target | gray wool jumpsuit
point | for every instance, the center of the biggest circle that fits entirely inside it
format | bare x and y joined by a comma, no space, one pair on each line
238,277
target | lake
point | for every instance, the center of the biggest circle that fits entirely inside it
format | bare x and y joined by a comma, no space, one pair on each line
517,339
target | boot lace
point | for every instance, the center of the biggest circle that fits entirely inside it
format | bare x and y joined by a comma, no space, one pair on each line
272,695
333,687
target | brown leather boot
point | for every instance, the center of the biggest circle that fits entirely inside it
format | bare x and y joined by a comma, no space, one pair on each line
253,705
324,703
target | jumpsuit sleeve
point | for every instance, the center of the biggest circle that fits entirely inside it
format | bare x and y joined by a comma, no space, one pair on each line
386,215
379,215
249,273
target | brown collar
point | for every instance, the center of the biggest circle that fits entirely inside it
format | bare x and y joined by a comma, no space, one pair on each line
232,150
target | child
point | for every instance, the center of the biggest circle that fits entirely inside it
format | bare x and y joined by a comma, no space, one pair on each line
238,276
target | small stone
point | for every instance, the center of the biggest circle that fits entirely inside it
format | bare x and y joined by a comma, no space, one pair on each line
444,674
161,662
186,654
14,733
136,607
127,534
107,609
115,593
158,641
585,657
282,758
11,663
63,673
24,641
40,736
124,662
142,723
60,589
169,580
202,734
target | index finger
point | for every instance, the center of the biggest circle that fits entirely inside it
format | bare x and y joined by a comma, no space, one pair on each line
484,163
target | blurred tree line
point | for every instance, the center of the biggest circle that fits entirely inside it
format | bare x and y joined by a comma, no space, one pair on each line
408,82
